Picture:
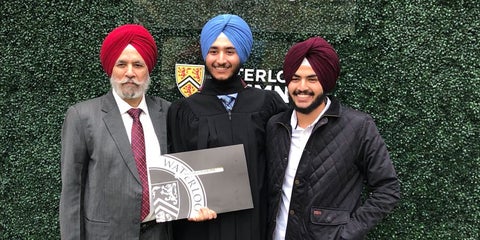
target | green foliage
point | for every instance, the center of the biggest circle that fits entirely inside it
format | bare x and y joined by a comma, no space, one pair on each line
414,65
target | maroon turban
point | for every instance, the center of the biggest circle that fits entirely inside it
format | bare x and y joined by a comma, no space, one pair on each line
321,56
118,39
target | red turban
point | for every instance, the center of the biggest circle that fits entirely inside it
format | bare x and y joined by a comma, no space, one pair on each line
118,39
321,56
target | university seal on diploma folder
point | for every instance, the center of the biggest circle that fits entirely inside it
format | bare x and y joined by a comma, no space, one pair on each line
182,188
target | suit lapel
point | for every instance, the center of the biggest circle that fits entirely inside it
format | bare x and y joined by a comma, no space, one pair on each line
158,117
116,128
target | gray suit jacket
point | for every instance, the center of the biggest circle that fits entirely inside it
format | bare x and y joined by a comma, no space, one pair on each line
101,189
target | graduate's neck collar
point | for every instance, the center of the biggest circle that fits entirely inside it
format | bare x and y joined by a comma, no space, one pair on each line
213,86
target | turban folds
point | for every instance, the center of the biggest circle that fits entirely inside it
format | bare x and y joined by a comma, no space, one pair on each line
234,27
119,38
321,56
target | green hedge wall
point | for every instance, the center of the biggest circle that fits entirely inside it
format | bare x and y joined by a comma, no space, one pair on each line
414,65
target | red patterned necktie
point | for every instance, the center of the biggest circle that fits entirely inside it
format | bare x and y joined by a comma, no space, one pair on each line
138,148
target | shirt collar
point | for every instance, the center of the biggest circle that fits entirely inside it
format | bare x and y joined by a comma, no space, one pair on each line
124,106
294,120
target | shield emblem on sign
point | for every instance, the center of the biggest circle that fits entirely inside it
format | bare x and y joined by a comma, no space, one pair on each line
189,78
166,201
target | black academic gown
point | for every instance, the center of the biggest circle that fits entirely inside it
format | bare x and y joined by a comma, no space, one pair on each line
201,121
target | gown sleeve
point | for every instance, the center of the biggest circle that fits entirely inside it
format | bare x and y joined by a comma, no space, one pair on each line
277,104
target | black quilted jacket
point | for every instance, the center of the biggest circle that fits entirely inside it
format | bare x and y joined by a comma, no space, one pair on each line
344,154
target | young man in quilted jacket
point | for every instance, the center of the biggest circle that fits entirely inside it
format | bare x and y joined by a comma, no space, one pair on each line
325,155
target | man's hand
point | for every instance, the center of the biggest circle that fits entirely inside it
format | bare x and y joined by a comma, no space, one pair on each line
204,214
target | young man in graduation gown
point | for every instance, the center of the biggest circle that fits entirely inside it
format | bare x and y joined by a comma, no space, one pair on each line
226,112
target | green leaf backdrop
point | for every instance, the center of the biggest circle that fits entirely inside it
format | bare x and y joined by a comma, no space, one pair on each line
414,65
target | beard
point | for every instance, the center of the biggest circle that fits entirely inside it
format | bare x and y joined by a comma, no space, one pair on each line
130,92
306,110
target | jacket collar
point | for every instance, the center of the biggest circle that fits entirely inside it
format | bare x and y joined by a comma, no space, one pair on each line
335,108
334,111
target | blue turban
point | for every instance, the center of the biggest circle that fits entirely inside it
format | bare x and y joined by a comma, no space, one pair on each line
234,27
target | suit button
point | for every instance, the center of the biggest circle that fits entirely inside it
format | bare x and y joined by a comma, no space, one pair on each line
297,181
292,212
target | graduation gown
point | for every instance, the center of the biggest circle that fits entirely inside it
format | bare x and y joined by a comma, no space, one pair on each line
201,121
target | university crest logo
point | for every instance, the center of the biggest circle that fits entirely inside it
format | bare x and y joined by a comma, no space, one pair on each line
189,78
179,179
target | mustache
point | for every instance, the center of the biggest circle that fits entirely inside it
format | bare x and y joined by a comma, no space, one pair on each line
129,80
225,65
304,92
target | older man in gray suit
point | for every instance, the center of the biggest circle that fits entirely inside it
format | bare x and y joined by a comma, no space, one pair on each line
107,144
